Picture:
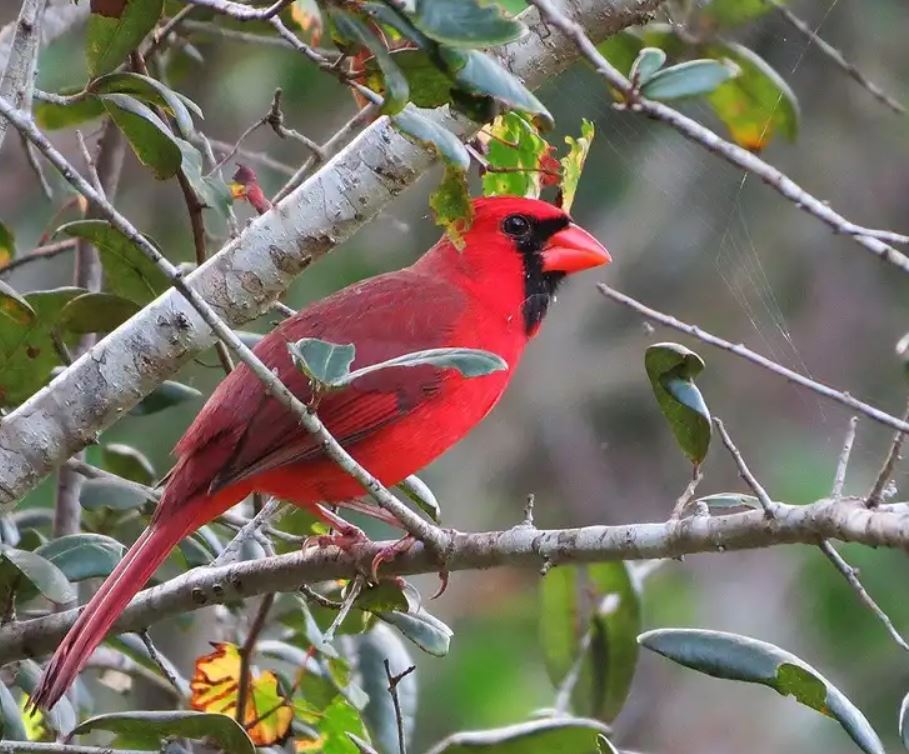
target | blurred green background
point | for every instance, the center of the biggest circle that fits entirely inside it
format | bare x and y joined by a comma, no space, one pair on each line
579,427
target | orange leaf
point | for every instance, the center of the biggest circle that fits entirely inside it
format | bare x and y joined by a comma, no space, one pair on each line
215,687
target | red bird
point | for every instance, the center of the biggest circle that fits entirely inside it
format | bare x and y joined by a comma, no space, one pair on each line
492,295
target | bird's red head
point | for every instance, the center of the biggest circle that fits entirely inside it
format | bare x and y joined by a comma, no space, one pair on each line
519,250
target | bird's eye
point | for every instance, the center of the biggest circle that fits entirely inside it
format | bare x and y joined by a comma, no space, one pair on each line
516,225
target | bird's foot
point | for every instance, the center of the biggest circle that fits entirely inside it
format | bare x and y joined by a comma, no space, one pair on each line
344,535
389,553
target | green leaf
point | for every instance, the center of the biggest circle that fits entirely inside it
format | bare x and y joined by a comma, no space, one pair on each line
756,104
451,206
52,116
561,735
98,493
7,245
127,462
96,312
420,493
325,363
115,29
689,79
167,394
12,727
734,12
517,149
83,556
599,633
429,85
127,271
605,746
423,629
370,650
470,362
740,658
210,190
387,596
466,23
146,730
477,73
14,306
44,575
672,369
352,27
152,92
28,353
573,162
150,137
335,722
621,50
423,130
648,61
722,500
561,624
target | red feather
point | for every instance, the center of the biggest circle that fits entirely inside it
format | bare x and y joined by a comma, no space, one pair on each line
393,422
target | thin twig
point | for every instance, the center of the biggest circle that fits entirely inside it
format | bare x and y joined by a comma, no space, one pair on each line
250,155
243,12
47,251
732,153
356,586
876,494
283,309
837,57
35,164
93,472
839,478
247,651
275,118
688,495
270,511
321,600
341,137
771,366
393,681
164,665
766,503
851,576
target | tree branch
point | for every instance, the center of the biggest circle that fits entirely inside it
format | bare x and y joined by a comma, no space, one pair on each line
882,417
250,272
871,240
521,546
19,74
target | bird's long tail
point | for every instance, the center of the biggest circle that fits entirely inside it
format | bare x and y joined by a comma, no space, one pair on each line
131,574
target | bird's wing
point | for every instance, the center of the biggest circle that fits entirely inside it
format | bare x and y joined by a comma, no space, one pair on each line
384,317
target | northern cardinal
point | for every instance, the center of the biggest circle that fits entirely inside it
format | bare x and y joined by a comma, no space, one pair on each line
492,294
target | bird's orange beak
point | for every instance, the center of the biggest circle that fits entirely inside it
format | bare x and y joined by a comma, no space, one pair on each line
572,250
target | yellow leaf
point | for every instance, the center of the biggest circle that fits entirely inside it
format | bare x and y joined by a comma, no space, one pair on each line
33,721
216,686
306,15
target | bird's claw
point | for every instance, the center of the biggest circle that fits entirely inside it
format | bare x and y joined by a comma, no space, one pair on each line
343,537
389,553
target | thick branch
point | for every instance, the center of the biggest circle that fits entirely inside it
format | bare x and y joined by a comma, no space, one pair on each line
19,74
250,272
524,546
